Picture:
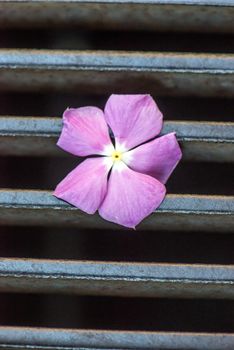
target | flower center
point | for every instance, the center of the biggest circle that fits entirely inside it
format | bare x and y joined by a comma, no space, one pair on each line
116,156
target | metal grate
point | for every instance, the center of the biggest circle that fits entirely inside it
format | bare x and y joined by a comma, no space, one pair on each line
162,73
73,281
205,141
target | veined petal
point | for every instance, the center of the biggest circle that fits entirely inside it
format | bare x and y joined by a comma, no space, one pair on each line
157,158
85,187
131,196
85,132
133,119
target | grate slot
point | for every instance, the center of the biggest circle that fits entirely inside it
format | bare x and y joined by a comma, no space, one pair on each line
201,141
162,73
175,15
116,246
46,104
71,38
86,312
51,338
177,212
117,279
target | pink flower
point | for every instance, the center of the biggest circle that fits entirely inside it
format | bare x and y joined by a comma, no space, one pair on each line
126,182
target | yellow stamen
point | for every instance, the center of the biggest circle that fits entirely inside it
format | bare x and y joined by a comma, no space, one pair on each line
116,155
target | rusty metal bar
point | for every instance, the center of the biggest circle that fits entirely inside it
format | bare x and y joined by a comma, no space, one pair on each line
160,15
121,72
177,212
70,339
117,279
201,141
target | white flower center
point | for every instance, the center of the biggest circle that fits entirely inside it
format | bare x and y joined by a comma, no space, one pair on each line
116,156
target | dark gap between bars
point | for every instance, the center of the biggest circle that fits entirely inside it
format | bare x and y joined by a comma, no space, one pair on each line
78,39
44,173
116,313
173,108
121,245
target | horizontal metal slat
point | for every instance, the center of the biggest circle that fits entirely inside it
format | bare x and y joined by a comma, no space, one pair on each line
177,212
70,339
37,136
122,72
117,279
181,15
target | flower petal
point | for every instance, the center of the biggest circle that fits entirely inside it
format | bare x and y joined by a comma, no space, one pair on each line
157,158
131,196
133,119
85,186
85,132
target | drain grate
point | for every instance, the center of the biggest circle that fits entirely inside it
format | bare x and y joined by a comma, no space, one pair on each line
73,281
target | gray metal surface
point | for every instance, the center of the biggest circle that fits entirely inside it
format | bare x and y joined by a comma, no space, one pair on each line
69,339
108,72
105,72
177,212
117,279
200,141
161,15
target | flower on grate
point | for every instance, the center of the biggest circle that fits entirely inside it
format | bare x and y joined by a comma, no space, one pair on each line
125,183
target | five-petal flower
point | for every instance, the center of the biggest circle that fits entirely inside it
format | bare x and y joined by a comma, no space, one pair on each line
126,182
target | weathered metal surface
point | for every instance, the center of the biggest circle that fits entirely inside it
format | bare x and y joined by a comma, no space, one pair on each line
120,72
177,212
69,339
117,279
201,141
204,141
161,15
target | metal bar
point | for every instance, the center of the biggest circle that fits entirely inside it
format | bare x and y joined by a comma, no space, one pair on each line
69,339
108,72
201,141
177,212
117,279
219,3
204,141
161,15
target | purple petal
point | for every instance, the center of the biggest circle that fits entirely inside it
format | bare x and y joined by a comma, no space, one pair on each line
85,186
133,119
157,158
131,196
85,132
